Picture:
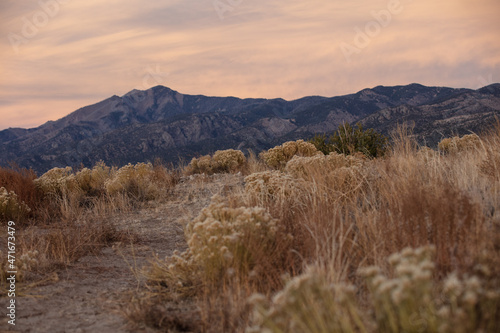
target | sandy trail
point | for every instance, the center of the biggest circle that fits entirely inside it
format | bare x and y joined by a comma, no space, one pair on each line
90,292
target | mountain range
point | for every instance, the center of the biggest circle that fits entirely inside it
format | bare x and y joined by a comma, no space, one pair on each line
163,123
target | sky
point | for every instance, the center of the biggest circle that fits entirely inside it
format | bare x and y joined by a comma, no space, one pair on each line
59,55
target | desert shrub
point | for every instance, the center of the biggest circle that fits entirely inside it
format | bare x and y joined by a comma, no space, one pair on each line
408,301
308,303
222,237
25,263
225,243
229,160
401,302
339,176
202,164
412,301
59,182
304,167
136,181
92,181
20,181
349,140
274,186
278,156
223,161
458,144
11,208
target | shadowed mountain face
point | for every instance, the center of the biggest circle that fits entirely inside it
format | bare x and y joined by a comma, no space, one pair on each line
162,123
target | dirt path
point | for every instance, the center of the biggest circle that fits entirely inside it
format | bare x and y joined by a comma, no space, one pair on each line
89,292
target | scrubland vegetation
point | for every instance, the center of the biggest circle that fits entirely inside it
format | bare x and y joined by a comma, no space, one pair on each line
407,240
62,215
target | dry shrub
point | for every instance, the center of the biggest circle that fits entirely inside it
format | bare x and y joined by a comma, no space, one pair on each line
409,301
223,238
202,164
58,182
278,156
92,181
136,181
20,181
340,176
225,245
303,167
223,161
11,208
141,181
275,186
459,144
228,160
308,303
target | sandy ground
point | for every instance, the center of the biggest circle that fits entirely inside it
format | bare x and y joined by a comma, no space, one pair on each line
90,292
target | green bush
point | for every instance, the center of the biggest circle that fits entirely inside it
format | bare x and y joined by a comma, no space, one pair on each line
350,140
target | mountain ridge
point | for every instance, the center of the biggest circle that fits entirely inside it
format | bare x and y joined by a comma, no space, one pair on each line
161,122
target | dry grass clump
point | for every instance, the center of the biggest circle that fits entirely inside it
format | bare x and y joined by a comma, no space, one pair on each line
490,165
458,144
278,156
223,161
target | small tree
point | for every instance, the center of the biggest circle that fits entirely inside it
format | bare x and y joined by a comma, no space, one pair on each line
349,140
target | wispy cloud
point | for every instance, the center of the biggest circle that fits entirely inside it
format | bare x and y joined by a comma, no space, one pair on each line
90,50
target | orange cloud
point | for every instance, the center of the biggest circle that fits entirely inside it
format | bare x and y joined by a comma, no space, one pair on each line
91,49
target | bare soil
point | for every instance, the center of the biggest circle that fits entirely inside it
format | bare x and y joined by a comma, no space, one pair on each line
89,295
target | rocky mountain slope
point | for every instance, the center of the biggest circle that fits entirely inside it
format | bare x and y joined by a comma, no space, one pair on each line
163,123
